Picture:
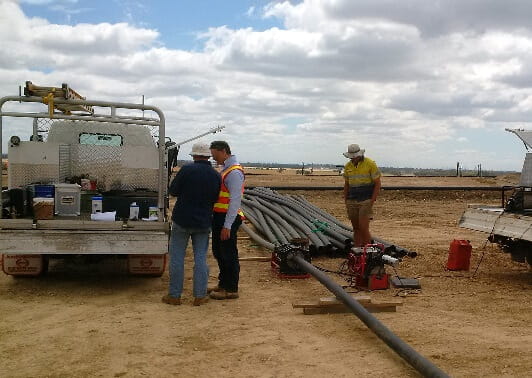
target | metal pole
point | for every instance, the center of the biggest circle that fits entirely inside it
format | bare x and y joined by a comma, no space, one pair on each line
409,354
1,166
95,118
213,130
162,149
35,129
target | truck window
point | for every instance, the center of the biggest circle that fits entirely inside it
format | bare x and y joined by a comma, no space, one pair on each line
97,139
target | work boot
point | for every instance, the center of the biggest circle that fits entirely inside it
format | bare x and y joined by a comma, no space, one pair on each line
223,294
213,288
200,301
171,300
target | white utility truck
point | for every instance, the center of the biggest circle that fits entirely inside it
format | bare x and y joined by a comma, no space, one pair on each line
508,225
91,181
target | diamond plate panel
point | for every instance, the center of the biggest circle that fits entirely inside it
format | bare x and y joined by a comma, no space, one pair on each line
24,174
104,163
64,162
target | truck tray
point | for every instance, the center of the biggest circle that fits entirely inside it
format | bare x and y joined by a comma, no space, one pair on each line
494,220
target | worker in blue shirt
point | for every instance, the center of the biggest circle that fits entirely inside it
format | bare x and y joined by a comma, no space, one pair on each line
196,187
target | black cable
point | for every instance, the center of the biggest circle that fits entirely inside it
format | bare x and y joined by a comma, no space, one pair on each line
486,242
332,271
350,278
403,289
481,258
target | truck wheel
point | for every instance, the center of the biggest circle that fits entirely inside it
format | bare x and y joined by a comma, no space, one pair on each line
45,263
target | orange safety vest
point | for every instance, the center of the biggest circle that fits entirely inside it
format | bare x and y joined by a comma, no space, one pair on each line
222,205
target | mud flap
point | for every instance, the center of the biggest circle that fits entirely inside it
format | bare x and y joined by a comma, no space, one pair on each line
23,265
151,265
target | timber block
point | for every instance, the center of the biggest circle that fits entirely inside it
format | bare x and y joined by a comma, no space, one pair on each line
331,305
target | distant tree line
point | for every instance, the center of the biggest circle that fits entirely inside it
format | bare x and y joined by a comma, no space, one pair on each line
394,171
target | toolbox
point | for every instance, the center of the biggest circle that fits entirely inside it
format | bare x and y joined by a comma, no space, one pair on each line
67,199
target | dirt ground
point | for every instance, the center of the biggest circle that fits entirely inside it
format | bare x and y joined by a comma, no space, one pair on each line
97,321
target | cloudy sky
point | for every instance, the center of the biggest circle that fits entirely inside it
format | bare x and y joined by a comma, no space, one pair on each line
418,83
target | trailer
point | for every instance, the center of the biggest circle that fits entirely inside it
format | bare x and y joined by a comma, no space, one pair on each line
71,187
510,224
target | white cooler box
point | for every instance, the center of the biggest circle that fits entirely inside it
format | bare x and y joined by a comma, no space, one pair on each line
67,199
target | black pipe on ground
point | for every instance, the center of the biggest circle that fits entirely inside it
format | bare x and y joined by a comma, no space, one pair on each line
416,360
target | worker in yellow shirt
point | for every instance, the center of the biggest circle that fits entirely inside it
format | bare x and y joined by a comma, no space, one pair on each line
361,188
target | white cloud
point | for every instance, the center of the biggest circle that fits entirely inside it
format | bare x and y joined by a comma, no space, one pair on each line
404,79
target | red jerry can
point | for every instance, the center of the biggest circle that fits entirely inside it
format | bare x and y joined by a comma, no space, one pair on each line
459,255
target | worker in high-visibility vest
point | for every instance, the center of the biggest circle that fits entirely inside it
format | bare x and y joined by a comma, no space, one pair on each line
361,188
227,219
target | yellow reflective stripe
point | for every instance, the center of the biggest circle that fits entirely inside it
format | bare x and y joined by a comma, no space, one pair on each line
230,169
221,205
223,194
360,176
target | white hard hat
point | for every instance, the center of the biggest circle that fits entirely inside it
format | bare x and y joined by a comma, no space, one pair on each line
200,149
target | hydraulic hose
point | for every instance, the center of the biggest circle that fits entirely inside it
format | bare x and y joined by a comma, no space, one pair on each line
275,209
278,199
416,360
257,238
276,230
261,225
313,238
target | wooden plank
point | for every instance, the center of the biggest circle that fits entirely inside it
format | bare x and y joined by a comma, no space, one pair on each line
397,302
345,309
331,301
331,305
255,258
306,304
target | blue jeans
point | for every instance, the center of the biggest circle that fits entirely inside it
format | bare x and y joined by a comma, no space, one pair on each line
178,247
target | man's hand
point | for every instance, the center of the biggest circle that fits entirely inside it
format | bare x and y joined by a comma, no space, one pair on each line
225,234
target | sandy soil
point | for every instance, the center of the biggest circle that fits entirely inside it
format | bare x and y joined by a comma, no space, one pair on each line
97,321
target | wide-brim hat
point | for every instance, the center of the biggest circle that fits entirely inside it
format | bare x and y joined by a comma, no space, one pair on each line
200,149
353,150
